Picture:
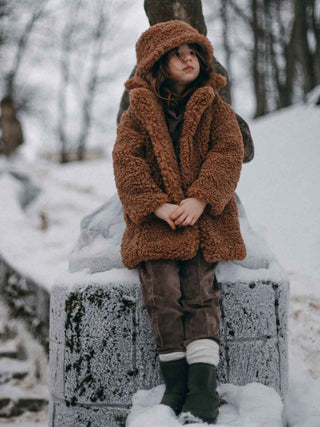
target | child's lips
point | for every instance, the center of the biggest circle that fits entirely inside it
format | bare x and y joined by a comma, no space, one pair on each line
188,68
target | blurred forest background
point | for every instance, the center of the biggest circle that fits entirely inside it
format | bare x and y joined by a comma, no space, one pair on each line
63,64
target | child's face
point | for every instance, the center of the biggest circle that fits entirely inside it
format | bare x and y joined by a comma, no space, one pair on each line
183,65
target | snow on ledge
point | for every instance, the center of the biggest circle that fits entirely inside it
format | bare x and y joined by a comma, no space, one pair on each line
226,272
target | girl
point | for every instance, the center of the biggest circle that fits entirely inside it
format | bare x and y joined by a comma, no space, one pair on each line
177,161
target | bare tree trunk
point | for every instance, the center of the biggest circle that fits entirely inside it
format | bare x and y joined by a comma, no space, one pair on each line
315,26
189,11
290,69
226,43
302,45
258,68
22,46
273,63
283,96
269,60
65,78
4,10
92,82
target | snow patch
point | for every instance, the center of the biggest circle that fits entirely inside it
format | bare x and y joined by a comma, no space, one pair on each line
252,405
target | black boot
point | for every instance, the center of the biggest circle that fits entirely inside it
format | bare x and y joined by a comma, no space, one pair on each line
175,375
202,399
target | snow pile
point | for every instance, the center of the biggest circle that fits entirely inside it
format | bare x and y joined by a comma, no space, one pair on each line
68,193
253,405
302,407
98,248
304,336
280,186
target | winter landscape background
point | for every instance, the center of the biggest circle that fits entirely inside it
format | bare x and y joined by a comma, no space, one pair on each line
279,189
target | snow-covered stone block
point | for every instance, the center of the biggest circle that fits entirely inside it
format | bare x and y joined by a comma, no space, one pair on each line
57,369
27,300
94,308
223,366
99,343
254,360
148,367
104,340
99,370
57,314
104,350
83,416
250,309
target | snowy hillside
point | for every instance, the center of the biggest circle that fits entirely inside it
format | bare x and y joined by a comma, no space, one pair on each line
279,190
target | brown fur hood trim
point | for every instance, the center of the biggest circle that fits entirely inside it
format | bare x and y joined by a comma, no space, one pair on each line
162,37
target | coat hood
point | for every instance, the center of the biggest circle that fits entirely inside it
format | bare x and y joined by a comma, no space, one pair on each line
159,39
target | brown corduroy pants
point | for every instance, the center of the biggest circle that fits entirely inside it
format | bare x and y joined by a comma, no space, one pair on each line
182,299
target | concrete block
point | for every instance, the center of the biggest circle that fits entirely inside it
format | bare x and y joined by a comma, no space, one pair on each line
62,415
249,310
254,360
104,348
148,367
57,314
27,300
57,369
99,370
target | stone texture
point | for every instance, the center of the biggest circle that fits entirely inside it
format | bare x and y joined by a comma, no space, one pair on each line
23,371
61,415
57,369
250,310
27,300
57,314
254,360
102,348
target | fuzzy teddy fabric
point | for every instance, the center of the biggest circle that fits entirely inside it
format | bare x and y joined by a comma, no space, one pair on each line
147,173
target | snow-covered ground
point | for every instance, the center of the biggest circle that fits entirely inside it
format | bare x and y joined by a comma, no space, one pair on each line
69,193
280,192
24,375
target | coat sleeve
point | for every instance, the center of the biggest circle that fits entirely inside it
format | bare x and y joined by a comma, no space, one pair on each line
220,172
138,192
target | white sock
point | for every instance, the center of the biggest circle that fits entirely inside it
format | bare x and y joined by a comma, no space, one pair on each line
172,356
203,350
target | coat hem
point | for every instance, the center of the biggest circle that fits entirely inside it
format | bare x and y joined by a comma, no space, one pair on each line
239,253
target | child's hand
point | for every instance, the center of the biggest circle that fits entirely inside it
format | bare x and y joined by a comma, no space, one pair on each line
188,211
164,211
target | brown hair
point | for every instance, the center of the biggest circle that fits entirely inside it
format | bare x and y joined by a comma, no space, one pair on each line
159,78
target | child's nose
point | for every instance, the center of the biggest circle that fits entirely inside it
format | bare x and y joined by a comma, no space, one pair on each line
187,56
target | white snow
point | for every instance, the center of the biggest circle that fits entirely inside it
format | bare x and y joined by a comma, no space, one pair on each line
69,193
29,419
302,409
253,405
280,187
280,192
34,384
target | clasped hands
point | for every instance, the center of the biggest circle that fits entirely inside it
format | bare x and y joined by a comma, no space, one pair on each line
186,213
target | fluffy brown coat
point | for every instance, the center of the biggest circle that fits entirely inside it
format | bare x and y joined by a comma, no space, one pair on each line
147,173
